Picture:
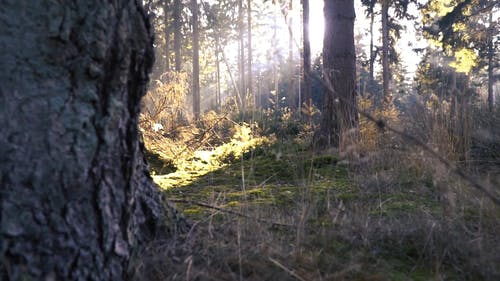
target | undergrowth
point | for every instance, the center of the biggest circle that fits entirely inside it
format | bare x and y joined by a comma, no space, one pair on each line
273,208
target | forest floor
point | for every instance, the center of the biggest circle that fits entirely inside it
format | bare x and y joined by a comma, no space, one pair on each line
263,209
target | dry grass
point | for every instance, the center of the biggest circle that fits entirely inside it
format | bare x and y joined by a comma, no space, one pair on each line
391,212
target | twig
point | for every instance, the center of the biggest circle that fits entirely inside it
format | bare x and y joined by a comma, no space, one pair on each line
266,180
199,138
201,204
289,271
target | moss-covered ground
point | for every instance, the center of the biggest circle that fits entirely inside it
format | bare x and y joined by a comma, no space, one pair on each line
283,212
316,200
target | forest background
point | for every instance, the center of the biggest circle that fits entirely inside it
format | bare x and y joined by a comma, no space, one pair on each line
217,140
243,131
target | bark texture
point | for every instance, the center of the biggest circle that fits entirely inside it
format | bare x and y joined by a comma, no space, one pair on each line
76,198
340,112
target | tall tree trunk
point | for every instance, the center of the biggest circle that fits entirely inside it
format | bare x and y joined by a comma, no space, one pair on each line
249,52
491,54
371,79
306,58
385,50
167,49
340,113
166,23
291,67
76,197
241,57
463,118
196,61
275,58
177,34
217,66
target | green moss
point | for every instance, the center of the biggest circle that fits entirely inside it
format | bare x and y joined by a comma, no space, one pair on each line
233,204
276,176
194,212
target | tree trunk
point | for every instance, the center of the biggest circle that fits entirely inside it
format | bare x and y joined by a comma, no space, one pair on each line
491,79
385,50
241,58
76,197
196,61
177,34
249,52
275,59
371,79
217,66
306,58
167,35
291,67
463,115
340,113
454,101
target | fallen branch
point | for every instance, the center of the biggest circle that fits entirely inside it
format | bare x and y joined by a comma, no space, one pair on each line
286,269
205,205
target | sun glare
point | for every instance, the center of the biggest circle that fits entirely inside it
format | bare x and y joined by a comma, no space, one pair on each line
316,26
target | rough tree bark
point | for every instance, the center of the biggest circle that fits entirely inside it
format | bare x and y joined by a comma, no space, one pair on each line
76,198
340,112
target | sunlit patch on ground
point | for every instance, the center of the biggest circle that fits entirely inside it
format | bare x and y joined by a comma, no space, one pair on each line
202,162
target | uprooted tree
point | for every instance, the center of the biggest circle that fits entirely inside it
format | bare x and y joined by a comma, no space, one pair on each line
76,198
